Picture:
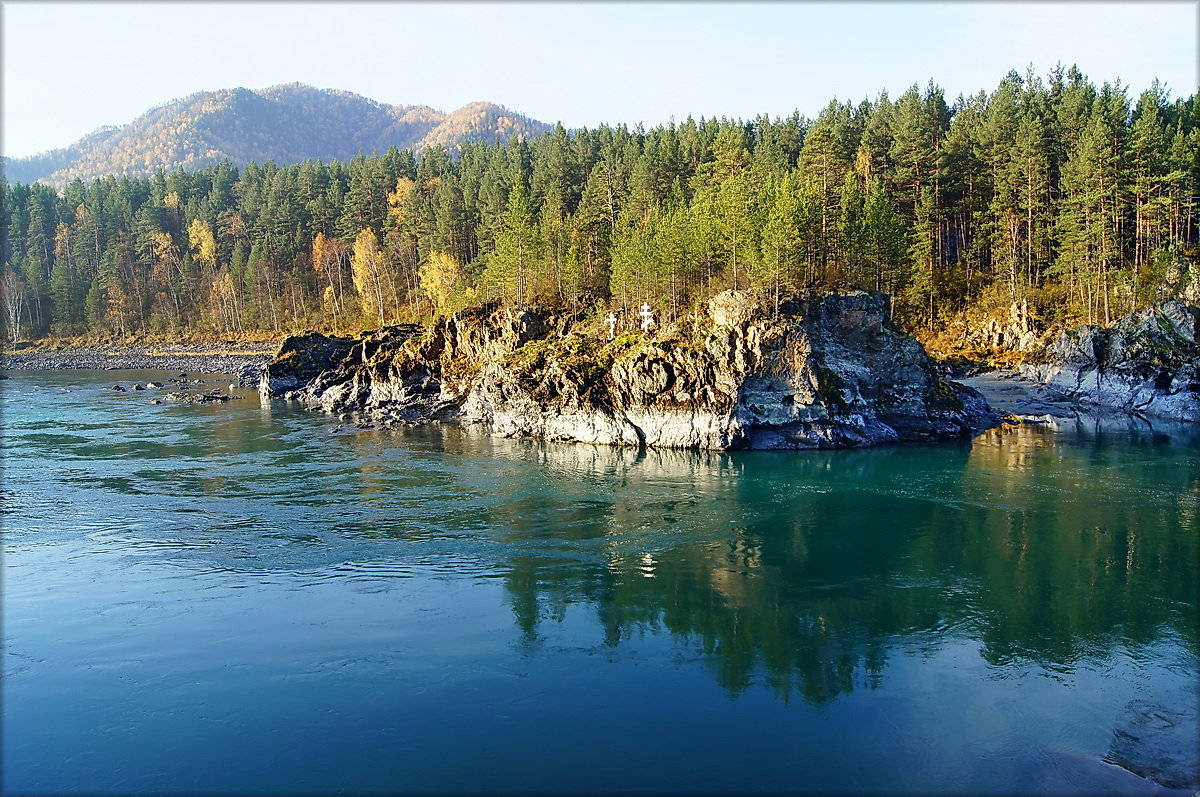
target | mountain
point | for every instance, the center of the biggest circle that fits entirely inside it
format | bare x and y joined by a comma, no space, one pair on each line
285,124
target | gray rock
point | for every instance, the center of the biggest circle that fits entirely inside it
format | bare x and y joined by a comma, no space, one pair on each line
301,358
117,389
734,308
196,358
179,397
1158,743
250,375
990,334
817,372
1147,362
1021,398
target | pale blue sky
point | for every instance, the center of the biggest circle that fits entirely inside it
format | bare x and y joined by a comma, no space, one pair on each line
72,67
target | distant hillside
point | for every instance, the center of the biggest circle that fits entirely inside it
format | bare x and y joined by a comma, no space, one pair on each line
286,124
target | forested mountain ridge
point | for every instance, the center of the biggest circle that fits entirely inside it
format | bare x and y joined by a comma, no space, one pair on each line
1072,201
285,124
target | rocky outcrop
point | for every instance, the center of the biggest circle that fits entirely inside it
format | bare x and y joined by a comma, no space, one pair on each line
1017,331
1148,362
301,358
816,372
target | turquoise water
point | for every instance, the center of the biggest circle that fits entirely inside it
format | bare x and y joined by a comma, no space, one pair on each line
233,598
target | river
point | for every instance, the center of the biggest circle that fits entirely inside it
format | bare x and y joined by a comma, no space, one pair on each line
236,598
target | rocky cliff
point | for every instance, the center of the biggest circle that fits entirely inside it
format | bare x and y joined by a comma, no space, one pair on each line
1147,362
817,372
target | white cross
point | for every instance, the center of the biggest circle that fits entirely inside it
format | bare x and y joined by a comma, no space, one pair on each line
647,317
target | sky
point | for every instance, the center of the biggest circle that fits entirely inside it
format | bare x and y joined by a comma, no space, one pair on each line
70,68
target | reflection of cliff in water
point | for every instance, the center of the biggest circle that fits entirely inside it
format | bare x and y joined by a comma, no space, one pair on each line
802,572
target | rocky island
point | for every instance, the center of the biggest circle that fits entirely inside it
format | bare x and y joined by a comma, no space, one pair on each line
817,371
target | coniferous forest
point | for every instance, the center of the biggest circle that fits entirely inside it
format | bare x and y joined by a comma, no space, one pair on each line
1079,200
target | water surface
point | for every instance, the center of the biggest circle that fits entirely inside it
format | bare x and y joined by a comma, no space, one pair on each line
234,598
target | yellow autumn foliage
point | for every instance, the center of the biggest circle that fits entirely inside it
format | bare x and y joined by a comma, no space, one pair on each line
202,243
367,270
397,198
445,283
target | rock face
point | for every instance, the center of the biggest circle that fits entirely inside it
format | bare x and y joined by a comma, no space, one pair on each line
822,372
1016,332
1148,362
300,359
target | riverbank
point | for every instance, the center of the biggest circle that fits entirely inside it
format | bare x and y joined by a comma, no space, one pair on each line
1009,392
208,358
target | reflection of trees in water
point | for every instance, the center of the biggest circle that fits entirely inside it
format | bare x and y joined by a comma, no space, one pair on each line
802,571
799,571
1102,549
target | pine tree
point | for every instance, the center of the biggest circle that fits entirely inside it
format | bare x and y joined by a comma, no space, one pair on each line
884,249
781,240
510,272
1030,171
922,285
850,233
1150,179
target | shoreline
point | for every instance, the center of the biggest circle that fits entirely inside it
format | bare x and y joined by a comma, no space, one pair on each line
228,358
1014,394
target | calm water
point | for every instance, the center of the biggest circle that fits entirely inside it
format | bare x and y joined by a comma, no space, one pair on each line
232,598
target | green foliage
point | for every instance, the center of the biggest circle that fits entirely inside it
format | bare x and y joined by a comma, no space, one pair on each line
1058,193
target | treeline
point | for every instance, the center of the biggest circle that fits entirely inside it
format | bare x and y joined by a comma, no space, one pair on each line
1074,198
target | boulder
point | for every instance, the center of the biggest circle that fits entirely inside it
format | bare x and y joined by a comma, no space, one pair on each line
250,376
734,308
180,397
828,372
1159,743
1016,331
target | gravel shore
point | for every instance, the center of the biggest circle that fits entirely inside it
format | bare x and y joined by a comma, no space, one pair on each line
1009,392
232,359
